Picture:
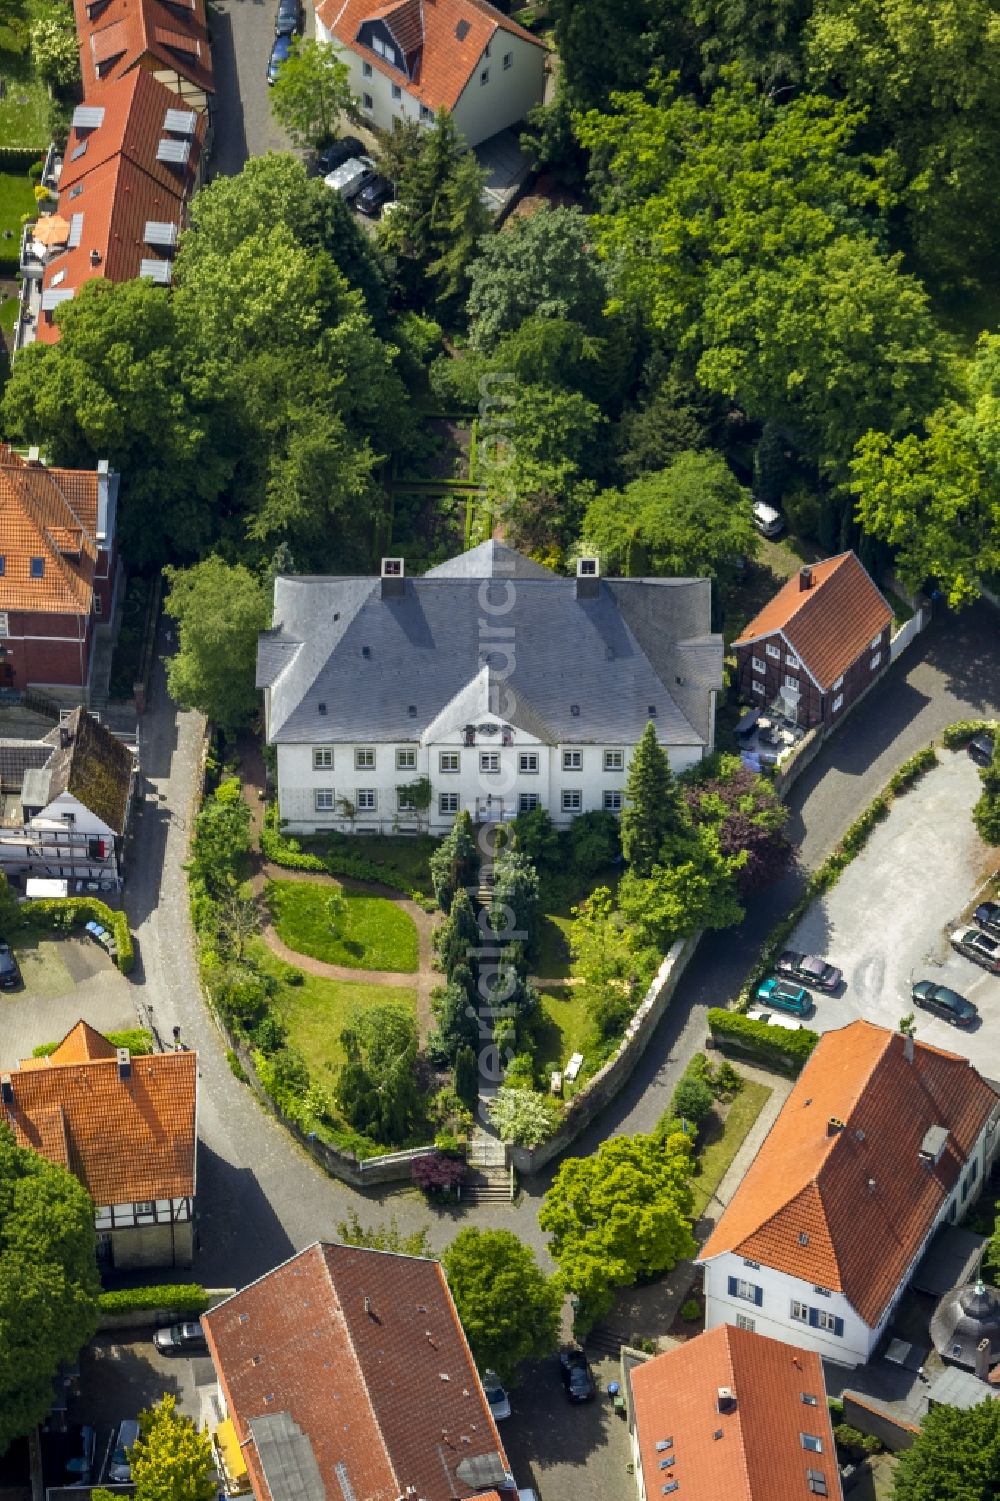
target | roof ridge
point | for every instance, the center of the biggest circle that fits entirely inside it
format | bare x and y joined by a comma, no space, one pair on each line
323,1247
81,593
806,596
734,1383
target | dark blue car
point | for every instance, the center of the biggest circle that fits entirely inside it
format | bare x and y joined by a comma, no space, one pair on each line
280,53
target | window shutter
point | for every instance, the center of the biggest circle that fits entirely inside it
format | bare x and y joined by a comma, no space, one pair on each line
733,1292
838,1327
758,1295
814,1318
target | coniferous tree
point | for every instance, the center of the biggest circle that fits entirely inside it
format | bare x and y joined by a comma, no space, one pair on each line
653,805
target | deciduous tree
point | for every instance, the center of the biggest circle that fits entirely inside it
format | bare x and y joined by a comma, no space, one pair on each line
747,816
384,1237
509,1309
954,1457
522,1117
219,610
55,50
694,887
310,92
986,813
171,1460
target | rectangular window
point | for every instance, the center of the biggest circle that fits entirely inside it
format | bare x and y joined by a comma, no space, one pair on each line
397,92
828,1321
799,1311
811,1442
527,802
527,761
366,70
739,1287
838,684
614,760
404,799
426,113
572,760
508,61
367,103
757,688
3,565
448,761
876,643
145,1206
791,660
38,568
838,703
98,605
612,802
743,1321
753,1265
876,659
758,665
364,758
4,624
324,800
791,682
773,651
406,760
447,802
489,761
484,76
366,799
816,1481
322,758
572,802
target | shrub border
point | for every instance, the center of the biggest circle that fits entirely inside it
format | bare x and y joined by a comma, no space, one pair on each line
178,1297
49,912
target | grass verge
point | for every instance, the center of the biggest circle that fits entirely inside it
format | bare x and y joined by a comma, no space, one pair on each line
723,1139
374,933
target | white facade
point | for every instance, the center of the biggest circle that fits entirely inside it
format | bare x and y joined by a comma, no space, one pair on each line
772,1302
497,775
66,840
507,81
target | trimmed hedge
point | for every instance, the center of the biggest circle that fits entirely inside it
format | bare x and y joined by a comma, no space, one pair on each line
179,1297
19,158
280,850
774,1046
963,730
136,1039
63,913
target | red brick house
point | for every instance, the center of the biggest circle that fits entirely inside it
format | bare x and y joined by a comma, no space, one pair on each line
819,643
58,564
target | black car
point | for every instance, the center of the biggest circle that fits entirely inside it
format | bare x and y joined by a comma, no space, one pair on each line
181,1339
10,975
281,51
288,21
944,1002
576,1376
981,748
373,195
987,916
337,153
809,969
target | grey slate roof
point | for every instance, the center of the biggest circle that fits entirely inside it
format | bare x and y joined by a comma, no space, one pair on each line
338,643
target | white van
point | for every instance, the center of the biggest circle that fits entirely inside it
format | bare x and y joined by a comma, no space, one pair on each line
758,1014
349,179
768,521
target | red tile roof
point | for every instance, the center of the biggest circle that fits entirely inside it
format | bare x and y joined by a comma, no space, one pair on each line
828,625
40,517
861,1194
443,41
116,36
362,1353
126,1140
135,110
754,1451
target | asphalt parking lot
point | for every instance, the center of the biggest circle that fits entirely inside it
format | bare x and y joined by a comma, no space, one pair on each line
887,921
565,1452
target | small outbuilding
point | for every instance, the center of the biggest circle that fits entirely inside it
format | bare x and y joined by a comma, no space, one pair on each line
963,1319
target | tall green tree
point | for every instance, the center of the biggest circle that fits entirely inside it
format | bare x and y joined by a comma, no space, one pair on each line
954,1457
653,804
48,1282
696,887
311,91
221,844
516,896
509,1309
622,1213
459,936
454,862
377,1089
604,50
219,610
171,1460
691,518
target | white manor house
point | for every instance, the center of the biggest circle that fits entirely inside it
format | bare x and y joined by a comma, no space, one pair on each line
506,686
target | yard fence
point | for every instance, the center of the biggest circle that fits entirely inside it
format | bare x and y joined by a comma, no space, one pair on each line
868,1416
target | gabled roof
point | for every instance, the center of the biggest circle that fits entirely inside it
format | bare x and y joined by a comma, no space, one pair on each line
116,36
847,1207
441,40
349,1369
590,670
137,113
752,1451
829,624
93,766
46,515
126,1140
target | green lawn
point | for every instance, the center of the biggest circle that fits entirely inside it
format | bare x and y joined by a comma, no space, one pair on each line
401,861
558,898
374,934
317,1011
24,108
17,197
8,315
562,1028
720,1141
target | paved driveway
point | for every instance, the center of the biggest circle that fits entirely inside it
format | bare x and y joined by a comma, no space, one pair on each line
567,1453
65,980
887,920
242,33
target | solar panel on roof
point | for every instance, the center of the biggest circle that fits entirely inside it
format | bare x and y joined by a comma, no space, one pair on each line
158,271
88,116
75,231
159,232
174,152
53,296
181,121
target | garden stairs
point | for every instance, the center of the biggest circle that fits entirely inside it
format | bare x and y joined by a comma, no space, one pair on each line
489,1177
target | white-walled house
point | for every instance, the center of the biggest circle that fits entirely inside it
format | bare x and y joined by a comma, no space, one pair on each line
505,685
882,1140
410,59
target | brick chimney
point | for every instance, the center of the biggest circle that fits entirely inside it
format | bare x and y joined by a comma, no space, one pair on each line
393,575
805,579
982,1366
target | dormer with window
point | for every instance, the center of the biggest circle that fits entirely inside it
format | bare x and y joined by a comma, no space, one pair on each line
398,45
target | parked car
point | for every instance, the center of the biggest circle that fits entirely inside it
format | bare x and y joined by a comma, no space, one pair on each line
981,748
944,1002
339,152
120,1463
181,1339
979,947
496,1396
809,969
987,915
785,996
758,1014
288,20
10,974
348,179
281,51
373,195
80,1464
768,521
576,1376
